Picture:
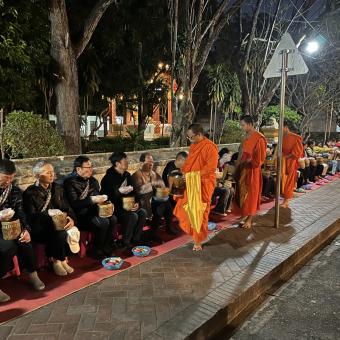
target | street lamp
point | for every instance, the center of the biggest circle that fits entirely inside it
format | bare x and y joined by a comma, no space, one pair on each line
312,47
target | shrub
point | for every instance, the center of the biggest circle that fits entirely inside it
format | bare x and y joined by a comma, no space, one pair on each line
274,111
29,135
232,133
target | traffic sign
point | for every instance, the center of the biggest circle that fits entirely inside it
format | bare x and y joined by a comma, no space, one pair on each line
296,64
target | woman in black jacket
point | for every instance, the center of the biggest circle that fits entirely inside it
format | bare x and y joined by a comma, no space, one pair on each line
38,198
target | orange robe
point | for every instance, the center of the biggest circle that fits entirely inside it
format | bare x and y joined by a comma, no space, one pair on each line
203,157
250,183
292,147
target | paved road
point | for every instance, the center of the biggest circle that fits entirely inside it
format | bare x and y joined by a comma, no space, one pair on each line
306,307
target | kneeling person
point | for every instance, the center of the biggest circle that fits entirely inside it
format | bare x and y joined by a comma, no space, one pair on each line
117,185
39,198
11,209
145,182
83,194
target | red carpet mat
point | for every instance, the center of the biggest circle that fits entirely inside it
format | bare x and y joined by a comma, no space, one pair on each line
87,272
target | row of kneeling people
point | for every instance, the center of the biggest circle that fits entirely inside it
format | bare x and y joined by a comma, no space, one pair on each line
35,214
52,214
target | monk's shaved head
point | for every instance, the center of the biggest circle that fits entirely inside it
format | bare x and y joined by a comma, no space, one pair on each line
197,129
195,133
247,123
247,119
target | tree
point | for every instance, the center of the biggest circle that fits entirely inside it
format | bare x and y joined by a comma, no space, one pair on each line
259,34
232,132
312,95
274,111
225,95
316,94
23,52
195,27
66,48
129,49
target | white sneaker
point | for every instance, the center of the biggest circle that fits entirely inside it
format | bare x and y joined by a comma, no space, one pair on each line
68,268
35,281
59,269
4,297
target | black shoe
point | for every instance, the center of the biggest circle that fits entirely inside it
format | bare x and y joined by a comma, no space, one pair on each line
155,238
217,212
143,243
97,254
119,243
109,250
127,246
171,231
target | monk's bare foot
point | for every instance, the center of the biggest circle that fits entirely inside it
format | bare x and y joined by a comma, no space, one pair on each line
247,223
197,247
243,221
285,204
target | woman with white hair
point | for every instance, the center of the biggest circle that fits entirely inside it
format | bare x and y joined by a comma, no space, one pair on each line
39,198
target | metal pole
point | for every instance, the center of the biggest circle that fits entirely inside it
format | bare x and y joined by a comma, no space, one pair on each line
279,146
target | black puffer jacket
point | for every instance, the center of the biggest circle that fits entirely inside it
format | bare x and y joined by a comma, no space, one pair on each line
35,198
74,186
14,201
111,183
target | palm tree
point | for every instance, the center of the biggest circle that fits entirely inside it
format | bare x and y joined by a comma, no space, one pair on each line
225,95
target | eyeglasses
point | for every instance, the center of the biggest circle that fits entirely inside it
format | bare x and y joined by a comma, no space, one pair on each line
191,137
87,167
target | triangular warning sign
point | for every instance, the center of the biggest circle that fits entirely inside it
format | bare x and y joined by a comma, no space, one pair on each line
296,64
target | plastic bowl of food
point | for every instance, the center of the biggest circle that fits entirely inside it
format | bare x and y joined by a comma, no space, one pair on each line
212,226
141,251
112,263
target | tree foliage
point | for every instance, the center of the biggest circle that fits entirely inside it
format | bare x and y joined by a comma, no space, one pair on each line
195,27
24,47
225,96
316,95
274,111
28,135
233,132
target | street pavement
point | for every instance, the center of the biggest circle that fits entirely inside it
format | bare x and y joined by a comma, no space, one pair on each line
306,307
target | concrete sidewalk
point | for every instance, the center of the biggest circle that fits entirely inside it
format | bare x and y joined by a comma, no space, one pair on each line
182,294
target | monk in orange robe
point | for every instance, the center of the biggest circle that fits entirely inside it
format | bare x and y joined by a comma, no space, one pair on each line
292,150
202,161
249,173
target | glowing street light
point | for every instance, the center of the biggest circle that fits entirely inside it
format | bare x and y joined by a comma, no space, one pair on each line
181,96
312,47
160,65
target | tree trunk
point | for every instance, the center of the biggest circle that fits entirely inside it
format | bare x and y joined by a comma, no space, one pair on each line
67,94
182,120
142,116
